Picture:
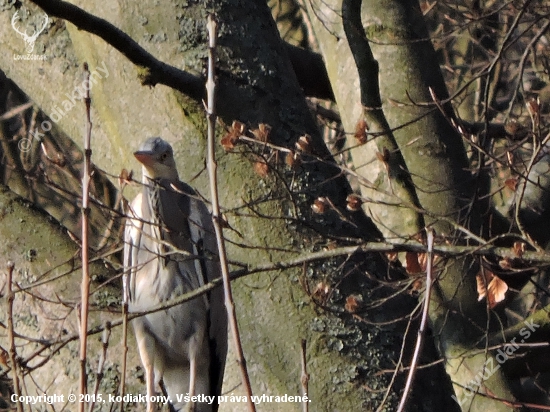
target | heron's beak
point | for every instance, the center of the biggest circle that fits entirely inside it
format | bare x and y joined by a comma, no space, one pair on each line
144,157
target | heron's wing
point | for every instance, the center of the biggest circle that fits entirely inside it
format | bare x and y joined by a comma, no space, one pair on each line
201,222
174,211
203,238
201,232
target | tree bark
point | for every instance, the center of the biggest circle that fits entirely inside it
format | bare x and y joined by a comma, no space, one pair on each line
273,211
436,159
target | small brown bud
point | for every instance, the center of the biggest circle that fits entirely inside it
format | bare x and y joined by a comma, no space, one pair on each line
354,203
361,129
262,132
228,141
353,303
519,249
511,184
319,206
238,128
124,177
261,168
533,106
293,159
304,143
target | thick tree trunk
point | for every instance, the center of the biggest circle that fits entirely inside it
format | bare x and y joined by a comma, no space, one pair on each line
273,212
46,282
435,157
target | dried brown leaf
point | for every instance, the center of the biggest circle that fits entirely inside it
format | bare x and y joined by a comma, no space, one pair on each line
481,288
496,291
4,356
491,287
321,291
533,106
238,128
124,177
293,159
228,141
231,138
262,132
511,184
505,263
417,285
515,130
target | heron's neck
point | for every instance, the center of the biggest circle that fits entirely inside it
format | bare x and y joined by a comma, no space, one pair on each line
148,177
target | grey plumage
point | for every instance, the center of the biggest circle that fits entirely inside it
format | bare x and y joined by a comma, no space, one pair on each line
170,249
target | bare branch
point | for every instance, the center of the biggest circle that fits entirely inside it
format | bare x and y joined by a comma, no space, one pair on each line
101,363
153,71
85,288
11,339
216,214
423,325
304,379
374,117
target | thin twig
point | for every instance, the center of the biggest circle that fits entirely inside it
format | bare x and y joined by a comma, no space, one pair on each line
521,66
299,260
538,146
304,380
423,325
15,111
399,367
11,339
101,363
85,287
216,215
124,351
125,297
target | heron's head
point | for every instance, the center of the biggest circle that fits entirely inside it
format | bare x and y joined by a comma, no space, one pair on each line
157,158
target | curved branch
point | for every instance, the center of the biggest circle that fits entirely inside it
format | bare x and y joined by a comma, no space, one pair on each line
368,69
153,71
367,66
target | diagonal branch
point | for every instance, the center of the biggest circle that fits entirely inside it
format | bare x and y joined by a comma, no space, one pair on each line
11,337
212,174
423,325
85,286
376,122
153,70
307,257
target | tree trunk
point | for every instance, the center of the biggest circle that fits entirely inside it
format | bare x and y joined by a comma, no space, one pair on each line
436,159
272,211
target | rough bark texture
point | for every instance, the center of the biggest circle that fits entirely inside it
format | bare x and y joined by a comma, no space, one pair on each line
256,85
434,155
47,275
